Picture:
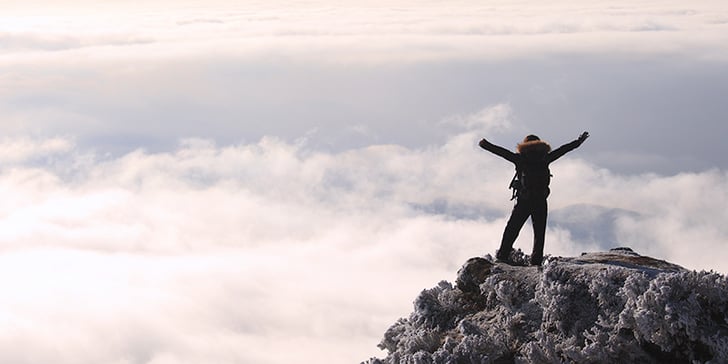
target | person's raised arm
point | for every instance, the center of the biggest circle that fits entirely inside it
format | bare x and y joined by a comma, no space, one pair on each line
498,150
568,147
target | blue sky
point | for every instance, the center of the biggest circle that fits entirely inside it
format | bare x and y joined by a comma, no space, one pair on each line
214,181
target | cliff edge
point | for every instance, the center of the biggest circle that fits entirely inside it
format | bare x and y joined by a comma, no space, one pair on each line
604,307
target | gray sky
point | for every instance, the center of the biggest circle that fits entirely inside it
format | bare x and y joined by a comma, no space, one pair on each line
274,182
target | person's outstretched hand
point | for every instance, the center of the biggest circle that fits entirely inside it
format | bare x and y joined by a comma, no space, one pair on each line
483,143
583,137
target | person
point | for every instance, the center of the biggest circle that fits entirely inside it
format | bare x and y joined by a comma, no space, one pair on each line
531,188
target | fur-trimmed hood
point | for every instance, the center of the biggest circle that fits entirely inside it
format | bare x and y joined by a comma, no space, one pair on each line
533,146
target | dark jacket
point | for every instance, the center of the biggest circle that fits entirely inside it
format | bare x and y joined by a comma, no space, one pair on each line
528,150
533,158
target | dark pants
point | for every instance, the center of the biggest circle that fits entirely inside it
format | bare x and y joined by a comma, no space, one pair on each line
537,209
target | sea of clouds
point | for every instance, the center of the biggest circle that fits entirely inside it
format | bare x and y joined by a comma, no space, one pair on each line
231,251
206,182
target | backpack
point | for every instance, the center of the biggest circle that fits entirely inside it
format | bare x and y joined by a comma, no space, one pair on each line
532,178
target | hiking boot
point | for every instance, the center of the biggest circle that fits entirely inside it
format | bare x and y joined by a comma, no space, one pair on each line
505,260
504,256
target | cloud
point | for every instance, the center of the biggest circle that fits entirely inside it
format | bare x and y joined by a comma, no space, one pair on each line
24,42
118,106
374,75
201,253
19,150
486,121
404,31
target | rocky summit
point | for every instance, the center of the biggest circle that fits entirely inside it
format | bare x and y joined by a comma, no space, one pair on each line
604,307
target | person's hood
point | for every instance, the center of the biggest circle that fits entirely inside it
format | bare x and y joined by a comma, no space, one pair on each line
533,146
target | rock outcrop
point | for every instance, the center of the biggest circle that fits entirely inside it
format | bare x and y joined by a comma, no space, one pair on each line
606,307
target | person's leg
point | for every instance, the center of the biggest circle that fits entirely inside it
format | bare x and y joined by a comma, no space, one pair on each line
539,212
519,215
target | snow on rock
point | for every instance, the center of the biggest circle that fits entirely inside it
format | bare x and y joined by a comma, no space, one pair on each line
607,307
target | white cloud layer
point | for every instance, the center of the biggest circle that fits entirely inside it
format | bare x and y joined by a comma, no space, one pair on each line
117,77
225,254
375,32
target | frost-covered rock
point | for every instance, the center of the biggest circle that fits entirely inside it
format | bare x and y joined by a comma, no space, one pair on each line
607,307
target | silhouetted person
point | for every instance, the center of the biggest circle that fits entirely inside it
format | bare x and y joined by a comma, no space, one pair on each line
531,188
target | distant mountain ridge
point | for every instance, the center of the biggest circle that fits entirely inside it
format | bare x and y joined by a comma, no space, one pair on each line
605,307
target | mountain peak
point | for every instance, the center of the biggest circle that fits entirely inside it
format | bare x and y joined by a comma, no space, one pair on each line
596,308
